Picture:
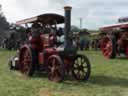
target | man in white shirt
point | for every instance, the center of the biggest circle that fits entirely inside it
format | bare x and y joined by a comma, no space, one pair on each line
60,37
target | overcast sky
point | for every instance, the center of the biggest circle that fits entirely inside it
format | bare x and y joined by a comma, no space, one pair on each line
95,13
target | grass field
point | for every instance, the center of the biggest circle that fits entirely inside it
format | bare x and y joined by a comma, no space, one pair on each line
108,78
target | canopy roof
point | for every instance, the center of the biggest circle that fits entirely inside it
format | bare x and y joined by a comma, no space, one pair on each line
120,25
49,18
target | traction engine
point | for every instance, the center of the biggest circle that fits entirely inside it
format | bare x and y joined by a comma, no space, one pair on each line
43,52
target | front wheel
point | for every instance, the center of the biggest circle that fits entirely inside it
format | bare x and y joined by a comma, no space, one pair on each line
81,68
55,68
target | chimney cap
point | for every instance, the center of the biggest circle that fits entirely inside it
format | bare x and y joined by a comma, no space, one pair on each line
67,7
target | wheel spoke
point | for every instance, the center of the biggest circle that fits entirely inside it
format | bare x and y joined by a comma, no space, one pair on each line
78,73
106,53
56,74
105,48
84,65
85,70
81,74
54,62
77,62
81,61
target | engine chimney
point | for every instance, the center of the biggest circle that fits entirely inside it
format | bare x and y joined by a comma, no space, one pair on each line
67,27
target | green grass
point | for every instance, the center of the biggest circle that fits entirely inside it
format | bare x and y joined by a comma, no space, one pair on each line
108,78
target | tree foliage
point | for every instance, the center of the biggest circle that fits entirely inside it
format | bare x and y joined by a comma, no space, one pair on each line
74,28
4,25
11,35
17,36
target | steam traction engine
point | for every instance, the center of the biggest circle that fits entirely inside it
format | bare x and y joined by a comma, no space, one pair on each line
115,39
42,53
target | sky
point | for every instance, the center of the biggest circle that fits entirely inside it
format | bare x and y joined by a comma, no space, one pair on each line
94,13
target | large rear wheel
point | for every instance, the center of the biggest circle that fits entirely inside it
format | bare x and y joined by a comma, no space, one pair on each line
27,61
108,47
81,68
55,68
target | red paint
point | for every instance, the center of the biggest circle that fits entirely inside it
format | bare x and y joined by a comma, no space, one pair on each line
41,58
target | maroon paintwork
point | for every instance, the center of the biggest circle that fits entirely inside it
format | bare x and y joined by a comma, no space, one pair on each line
109,27
115,41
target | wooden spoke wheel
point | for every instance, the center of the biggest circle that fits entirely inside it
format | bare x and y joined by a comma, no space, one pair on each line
55,68
108,47
81,68
27,61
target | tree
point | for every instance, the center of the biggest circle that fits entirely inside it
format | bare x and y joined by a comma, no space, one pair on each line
17,36
74,28
4,25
